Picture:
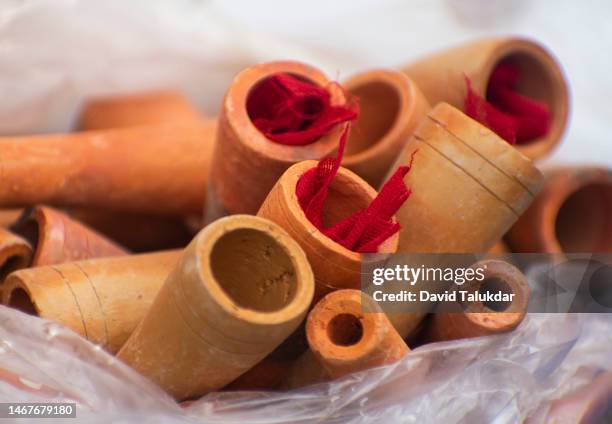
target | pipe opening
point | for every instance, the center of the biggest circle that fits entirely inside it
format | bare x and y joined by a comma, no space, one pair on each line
379,105
494,285
600,286
12,263
254,270
584,221
536,82
20,300
344,198
29,229
345,330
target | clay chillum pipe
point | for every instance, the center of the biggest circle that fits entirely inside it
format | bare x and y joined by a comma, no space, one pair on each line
239,289
390,107
159,169
442,78
482,185
56,238
485,318
135,109
334,266
572,214
347,332
103,300
246,164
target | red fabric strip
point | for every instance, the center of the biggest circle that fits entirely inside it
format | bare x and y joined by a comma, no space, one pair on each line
365,230
514,117
293,112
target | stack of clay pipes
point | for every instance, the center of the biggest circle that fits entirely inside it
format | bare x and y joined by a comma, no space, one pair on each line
263,295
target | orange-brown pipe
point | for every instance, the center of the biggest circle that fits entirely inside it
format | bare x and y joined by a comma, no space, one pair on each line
390,107
239,289
442,78
56,238
468,185
347,332
485,318
101,299
334,266
245,163
128,110
15,253
572,213
9,216
158,169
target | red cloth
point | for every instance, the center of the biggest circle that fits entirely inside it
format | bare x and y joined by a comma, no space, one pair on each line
365,230
514,117
293,112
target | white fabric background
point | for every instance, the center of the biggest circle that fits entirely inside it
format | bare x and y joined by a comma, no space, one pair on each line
53,53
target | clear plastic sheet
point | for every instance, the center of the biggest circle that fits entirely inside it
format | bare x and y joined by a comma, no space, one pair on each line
500,379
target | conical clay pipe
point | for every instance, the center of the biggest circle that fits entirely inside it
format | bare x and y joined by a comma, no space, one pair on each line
15,253
442,78
572,214
347,332
245,163
485,318
158,169
239,289
128,110
334,266
56,238
103,300
390,107
469,186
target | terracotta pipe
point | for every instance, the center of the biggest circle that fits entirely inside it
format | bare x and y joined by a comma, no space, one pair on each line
390,107
56,238
245,163
572,213
239,289
128,110
101,299
347,332
15,253
483,319
587,405
441,77
334,266
158,169
469,186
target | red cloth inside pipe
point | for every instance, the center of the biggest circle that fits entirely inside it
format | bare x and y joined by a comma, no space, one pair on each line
512,116
294,112
365,230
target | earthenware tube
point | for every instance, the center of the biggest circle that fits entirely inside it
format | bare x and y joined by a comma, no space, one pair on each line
390,107
103,300
485,318
239,289
572,214
56,238
442,78
246,164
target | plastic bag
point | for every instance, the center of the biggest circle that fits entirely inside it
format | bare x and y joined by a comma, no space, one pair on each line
492,379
